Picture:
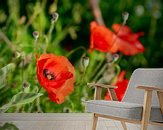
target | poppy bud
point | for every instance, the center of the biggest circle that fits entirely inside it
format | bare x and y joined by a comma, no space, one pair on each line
125,16
112,57
36,34
55,16
85,61
26,84
115,57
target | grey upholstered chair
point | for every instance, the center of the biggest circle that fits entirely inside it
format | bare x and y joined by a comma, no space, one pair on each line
138,106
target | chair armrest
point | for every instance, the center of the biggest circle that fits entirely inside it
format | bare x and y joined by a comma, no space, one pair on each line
101,85
148,88
98,90
148,100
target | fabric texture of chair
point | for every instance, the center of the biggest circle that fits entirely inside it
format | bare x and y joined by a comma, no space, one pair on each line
143,77
125,110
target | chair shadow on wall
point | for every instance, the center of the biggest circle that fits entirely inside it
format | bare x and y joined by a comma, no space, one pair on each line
142,103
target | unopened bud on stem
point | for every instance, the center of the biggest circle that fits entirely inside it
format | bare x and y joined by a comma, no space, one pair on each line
85,61
115,57
111,58
55,16
125,16
36,34
26,84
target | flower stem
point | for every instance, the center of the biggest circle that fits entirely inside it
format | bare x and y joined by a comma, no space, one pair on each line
117,73
96,11
117,68
35,45
38,105
74,50
83,76
46,43
39,88
50,30
22,72
100,72
97,68
48,36
115,37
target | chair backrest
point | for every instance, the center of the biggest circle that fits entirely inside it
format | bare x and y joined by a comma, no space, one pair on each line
144,76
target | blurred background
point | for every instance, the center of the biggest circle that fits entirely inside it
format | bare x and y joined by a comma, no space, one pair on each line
20,18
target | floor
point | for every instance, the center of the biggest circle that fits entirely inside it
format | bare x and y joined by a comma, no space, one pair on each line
58,121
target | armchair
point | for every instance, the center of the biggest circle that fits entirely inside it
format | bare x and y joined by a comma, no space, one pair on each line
138,107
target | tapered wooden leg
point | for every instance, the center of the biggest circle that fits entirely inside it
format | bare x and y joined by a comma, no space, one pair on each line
146,110
94,122
160,98
124,125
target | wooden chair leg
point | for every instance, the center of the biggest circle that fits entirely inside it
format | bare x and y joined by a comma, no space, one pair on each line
160,98
124,125
146,110
94,123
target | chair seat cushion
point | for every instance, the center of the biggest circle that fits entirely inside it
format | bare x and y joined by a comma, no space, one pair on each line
125,110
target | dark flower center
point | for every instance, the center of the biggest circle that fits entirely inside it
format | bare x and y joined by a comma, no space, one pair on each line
48,75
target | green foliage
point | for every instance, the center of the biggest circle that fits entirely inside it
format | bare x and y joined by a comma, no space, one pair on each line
8,126
4,72
20,99
70,37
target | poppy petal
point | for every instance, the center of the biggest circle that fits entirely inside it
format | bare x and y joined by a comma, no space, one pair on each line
121,30
101,37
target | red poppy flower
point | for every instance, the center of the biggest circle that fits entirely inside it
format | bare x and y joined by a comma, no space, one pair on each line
123,40
101,37
126,41
122,86
57,75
